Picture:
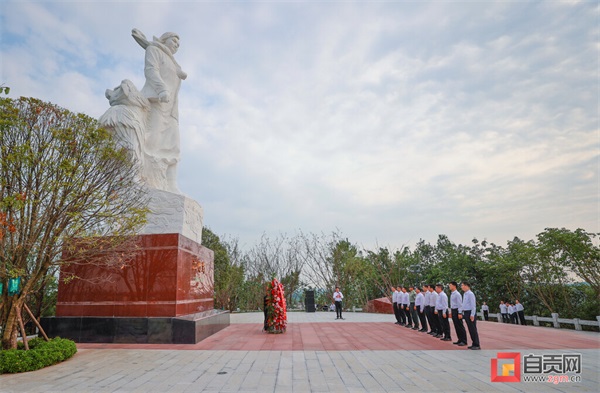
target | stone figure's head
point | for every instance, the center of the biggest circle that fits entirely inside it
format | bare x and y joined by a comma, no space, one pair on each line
126,94
170,40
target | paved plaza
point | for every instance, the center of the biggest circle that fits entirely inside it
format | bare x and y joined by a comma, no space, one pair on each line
364,353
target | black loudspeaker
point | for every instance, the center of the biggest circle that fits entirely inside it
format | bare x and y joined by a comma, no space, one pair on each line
309,301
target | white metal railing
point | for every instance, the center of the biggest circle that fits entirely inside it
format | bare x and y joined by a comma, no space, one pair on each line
555,320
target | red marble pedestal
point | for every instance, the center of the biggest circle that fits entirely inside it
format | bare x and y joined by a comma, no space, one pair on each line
171,276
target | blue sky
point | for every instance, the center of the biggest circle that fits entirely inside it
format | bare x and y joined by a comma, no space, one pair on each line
390,122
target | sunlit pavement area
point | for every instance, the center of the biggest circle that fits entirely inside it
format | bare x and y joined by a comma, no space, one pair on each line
363,353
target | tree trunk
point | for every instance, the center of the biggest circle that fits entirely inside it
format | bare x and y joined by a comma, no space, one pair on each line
9,335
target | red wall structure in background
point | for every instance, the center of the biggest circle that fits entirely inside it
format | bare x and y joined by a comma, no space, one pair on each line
382,305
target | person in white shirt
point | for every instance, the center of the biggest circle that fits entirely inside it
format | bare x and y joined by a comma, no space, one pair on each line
504,312
485,310
469,306
520,312
512,313
401,310
420,309
441,311
456,311
405,304
337,299
436,327
395,305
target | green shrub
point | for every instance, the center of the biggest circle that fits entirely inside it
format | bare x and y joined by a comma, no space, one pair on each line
41,354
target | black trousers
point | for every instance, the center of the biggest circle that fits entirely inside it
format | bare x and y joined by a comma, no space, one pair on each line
402,313
472,326
505,317
408,316
428,316
422,318
396,312
444,324
459,327
513,318
338,309
522,317
434,321
485,315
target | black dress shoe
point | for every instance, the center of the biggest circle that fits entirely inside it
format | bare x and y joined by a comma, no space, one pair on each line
415,328
461,344
446,339
408,326
475,348
432,333
456,343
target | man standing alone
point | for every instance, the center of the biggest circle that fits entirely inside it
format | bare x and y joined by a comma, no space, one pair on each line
485,310
470,314
337,299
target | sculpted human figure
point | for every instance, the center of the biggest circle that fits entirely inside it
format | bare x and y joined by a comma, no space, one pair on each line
163,79
147,121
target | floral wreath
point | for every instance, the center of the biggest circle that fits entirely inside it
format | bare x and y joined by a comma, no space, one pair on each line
276,308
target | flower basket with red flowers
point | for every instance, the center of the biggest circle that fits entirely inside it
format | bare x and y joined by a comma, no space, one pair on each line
276,308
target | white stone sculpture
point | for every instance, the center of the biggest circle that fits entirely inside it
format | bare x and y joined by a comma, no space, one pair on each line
152,116
147,122
126,117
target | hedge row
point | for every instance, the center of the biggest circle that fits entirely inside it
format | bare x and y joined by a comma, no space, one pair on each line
41,354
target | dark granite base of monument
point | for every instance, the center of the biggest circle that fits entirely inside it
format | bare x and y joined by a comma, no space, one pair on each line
187,329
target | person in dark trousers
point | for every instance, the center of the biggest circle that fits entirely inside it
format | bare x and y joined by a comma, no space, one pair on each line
436,329
520,312
420,309
401,310
412,297
337,299
485,310
441,310
504,311
470,314
395,305
456,308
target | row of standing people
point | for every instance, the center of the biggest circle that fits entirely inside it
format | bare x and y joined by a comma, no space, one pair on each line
512,313
416,306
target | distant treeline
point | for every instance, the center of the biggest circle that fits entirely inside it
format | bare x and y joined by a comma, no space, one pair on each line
559,271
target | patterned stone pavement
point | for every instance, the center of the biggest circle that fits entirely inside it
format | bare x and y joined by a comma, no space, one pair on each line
364,353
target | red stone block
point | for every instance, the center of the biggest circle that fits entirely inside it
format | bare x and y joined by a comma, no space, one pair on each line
170,276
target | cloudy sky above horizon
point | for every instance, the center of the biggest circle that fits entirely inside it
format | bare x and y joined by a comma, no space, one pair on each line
390,122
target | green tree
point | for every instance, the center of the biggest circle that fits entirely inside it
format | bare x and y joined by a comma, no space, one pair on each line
62,177
228,273
574,250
